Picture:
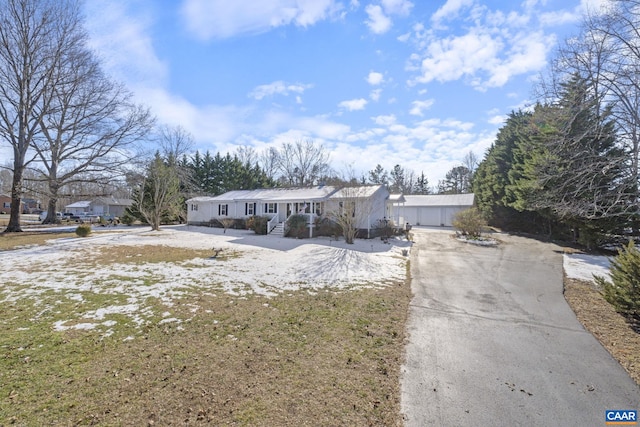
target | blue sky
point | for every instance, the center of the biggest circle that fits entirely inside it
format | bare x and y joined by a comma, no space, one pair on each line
415,83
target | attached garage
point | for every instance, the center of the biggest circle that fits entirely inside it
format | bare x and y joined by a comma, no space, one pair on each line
435,210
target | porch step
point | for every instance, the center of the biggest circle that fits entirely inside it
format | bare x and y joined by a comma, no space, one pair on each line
278,230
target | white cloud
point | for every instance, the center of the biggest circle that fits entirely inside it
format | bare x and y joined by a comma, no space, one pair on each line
375,94
387,120
378,22
498,47
497,120
450,9
123,43
208,19
397,7
278,88
375,78
419,106
353,104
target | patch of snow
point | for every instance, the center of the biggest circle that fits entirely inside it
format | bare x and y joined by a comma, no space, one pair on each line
265,265
584,267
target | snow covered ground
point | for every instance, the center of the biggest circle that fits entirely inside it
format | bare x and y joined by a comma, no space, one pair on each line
265,265
584,267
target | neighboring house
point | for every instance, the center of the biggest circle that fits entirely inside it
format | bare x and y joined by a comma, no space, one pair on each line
432,209
281,203
5,204
31,206
102,206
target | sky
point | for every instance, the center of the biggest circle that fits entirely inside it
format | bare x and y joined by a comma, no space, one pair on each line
414,83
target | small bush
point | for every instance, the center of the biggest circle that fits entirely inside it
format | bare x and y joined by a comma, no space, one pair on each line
258,224
227,223
83,230
326,227
469,222
623,291
297,226
127,219
384,228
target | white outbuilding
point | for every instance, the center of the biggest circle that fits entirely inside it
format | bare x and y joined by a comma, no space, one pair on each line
434,209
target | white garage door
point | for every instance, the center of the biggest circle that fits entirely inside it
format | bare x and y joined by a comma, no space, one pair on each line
429,216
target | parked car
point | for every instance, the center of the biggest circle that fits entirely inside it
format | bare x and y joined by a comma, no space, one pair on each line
86,217
43,215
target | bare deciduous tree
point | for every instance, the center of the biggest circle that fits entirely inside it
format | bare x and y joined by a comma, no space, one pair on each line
159,193
352,210
34,37
247,155
606,54
269,162
303,162
90,128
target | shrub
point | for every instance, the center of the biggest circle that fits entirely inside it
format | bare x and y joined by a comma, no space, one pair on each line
227,222
258,224
469,222
384,228
623,291
297,226
83,230
326,227
127,219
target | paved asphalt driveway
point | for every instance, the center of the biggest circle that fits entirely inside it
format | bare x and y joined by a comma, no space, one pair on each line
493,342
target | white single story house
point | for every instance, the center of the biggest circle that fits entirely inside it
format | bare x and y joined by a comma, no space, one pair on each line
102,206
280,203
433,209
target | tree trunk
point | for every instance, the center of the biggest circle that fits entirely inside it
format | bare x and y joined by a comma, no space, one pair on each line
52,205
16,199
51,212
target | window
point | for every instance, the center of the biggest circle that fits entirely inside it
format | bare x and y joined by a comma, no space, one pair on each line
222,210
6,205
271,208
194,207
250,209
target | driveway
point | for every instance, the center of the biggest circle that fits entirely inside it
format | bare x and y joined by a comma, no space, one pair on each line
493,342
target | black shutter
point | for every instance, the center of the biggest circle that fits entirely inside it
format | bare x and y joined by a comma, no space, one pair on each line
275,208
265,208
246,208
255,206
219,206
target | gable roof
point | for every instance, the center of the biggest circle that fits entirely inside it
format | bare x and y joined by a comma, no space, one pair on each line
81,204
440,200
292,194
112,201
356,192
397,198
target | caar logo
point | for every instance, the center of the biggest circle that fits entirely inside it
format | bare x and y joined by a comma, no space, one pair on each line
621,417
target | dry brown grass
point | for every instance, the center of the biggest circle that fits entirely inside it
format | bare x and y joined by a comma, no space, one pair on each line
609,327
301,359
10,241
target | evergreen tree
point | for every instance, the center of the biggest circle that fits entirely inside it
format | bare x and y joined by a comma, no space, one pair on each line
623,291
398,180
491,177
456,181
569,168
379,176
422,185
